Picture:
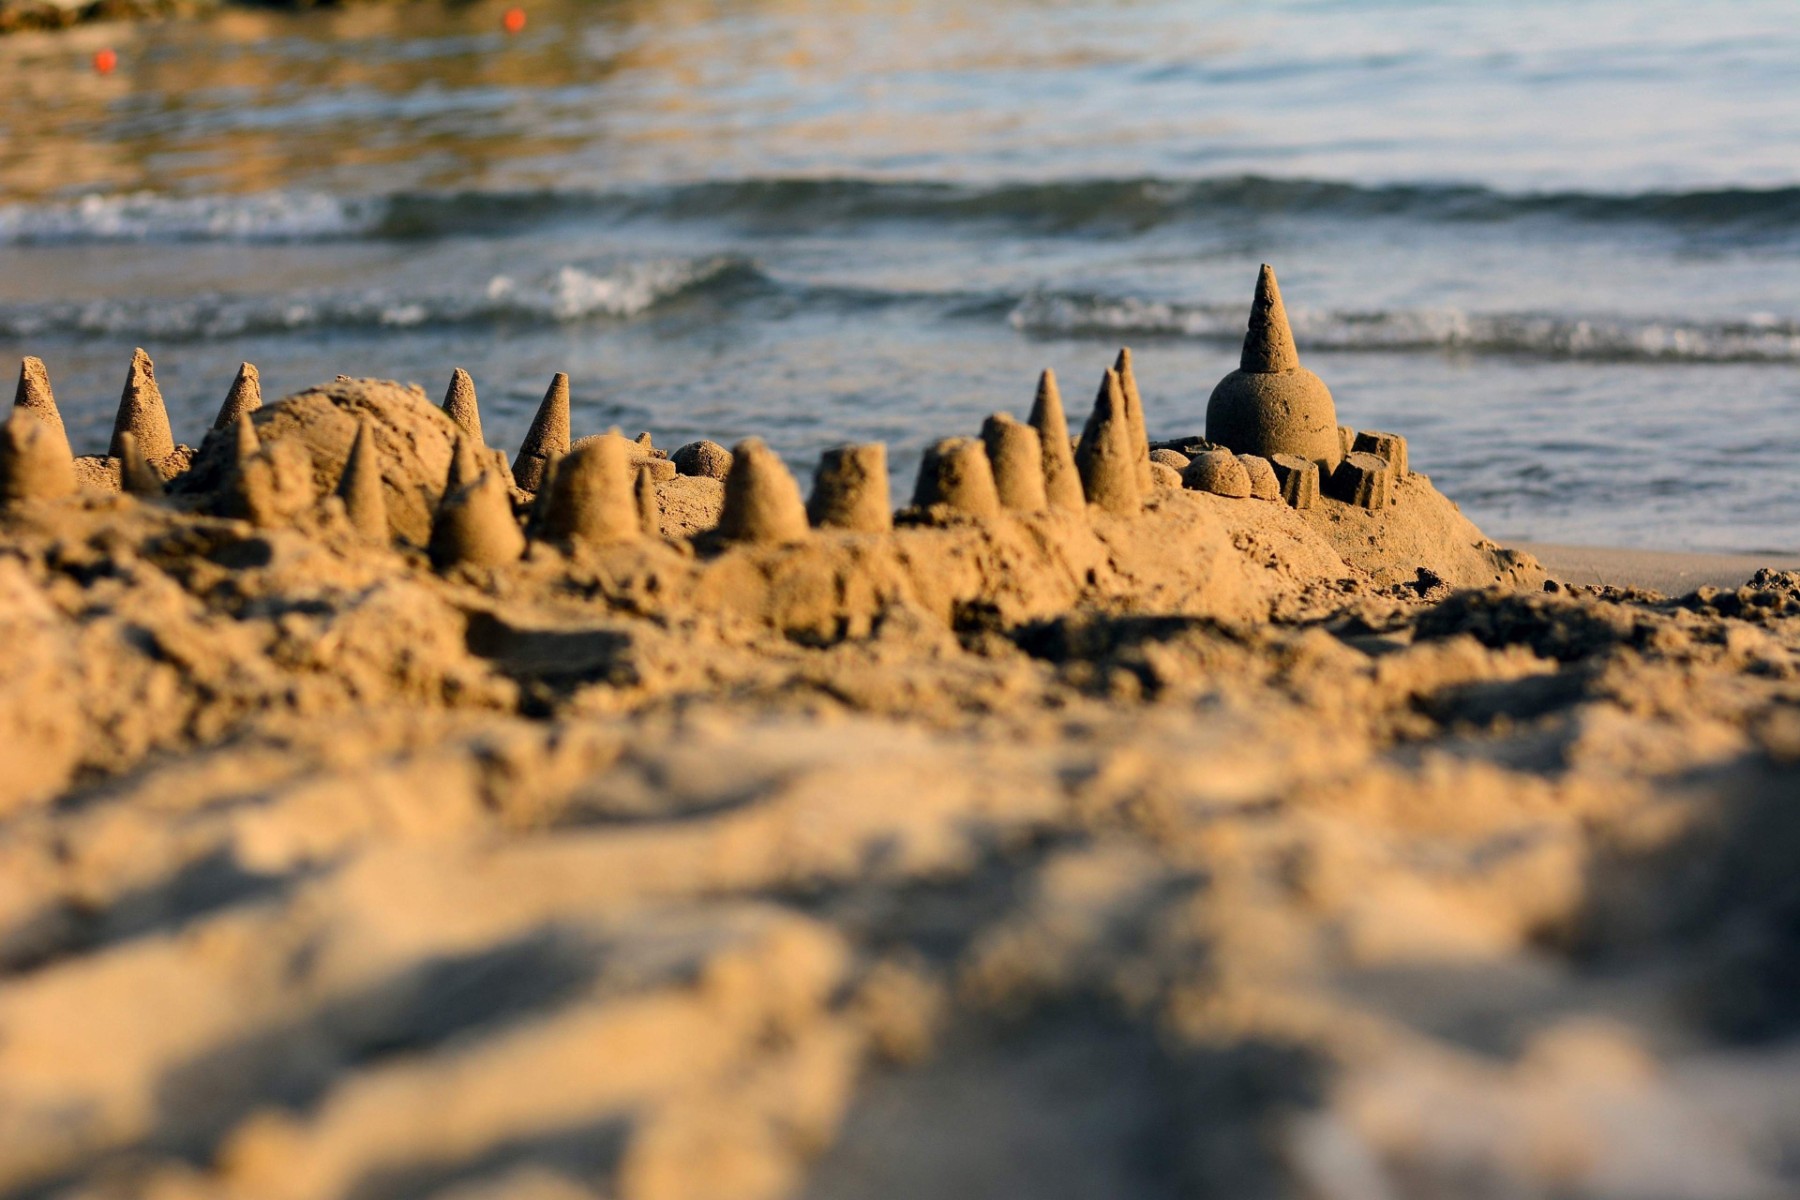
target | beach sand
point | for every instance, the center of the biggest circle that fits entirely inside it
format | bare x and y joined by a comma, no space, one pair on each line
1205,847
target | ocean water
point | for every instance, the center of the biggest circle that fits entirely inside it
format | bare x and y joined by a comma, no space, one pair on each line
1557,244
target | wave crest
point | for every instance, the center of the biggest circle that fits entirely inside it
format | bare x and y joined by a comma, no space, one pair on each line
572,293
1538,335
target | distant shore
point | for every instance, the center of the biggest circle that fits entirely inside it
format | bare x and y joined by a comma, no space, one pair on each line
16,16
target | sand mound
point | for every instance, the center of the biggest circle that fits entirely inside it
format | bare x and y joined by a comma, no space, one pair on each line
1220,849
413,442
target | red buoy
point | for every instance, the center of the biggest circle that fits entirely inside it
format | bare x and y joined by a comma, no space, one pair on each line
513,21
105,61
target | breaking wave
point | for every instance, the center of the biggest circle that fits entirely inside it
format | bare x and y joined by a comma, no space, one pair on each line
805,203
569,294
1762,339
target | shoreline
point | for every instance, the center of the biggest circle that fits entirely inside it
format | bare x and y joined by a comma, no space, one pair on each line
1672,572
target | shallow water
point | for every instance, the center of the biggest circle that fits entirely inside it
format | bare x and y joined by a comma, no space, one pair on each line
1557,244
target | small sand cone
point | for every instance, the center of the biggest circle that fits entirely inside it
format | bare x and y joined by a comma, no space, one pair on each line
850,490
34,462
35,397
136,476
141,412
248,445
475,526
592,495
460,405
648,506
1016,454
273,485
549,435
360,487
1062,482
244,398
466,465
956,474
1108,464
762,501
1134,412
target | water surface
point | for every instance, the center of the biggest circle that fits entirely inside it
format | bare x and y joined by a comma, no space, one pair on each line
1557,244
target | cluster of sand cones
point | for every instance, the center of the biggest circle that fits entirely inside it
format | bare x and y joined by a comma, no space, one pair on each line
1271,435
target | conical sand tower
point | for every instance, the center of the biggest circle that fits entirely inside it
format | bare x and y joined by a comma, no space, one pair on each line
1271,404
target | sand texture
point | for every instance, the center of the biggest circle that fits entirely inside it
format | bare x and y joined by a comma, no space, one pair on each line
1216,849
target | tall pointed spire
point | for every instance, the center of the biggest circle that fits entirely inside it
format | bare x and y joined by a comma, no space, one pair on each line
1272,405
1062,482
1106,460
245,397
549,435
141,412
460,405
1269,343
34,396
1134,413
360,487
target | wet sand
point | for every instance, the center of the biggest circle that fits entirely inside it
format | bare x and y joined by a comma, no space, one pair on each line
1674,573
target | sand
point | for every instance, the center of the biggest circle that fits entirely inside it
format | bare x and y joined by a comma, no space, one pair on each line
1217,849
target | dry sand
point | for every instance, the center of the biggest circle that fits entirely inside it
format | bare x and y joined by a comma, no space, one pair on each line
1217,850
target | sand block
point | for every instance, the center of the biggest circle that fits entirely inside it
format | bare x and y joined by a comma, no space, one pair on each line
850,490
592,494
1218,472
1365,480
1299,479
956,474
762,501
703,460
1263,483
1391,446
1016,454
34,460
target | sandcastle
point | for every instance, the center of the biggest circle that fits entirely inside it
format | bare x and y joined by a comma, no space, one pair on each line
418,477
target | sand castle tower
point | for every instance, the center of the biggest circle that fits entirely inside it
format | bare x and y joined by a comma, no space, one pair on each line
461,405
850,490
245,397
34,460
1271,404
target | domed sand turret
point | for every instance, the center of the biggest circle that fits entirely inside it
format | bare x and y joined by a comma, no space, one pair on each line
1271,404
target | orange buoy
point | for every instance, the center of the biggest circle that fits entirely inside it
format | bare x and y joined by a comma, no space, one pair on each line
513,21
105,61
